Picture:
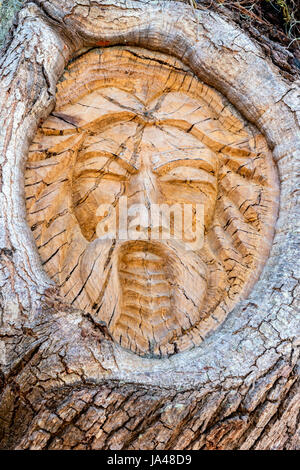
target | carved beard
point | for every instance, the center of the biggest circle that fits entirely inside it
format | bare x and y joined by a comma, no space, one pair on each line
144,291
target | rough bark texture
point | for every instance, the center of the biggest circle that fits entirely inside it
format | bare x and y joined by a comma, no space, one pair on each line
274,25
64,382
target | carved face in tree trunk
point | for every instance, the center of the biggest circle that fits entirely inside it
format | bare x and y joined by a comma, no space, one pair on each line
137,126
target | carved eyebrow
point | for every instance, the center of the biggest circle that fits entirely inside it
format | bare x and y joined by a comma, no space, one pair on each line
195,163
111,157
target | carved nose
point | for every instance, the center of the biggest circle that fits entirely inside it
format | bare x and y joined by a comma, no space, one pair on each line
143,189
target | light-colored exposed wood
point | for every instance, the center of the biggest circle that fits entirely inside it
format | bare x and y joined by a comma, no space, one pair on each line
64,383
129,122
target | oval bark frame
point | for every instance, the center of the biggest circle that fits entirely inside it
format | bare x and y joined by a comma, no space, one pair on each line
262,328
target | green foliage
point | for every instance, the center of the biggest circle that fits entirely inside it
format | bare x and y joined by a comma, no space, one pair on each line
8,9
290,12
285,8
281,17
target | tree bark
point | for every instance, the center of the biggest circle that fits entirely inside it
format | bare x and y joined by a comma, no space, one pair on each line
64,382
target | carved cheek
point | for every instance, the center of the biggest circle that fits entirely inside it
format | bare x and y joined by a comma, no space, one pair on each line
88,195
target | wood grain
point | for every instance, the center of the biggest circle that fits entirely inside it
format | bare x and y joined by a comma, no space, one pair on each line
64,383
135,123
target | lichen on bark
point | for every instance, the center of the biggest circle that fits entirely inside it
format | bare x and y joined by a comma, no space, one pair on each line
8,9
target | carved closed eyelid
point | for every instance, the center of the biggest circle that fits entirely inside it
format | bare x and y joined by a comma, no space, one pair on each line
104,162
196,164
186,174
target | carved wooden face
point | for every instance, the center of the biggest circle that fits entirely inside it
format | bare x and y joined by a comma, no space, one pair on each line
146,162
137,124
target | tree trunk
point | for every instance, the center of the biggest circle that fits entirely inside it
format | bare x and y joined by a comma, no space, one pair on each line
219,368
